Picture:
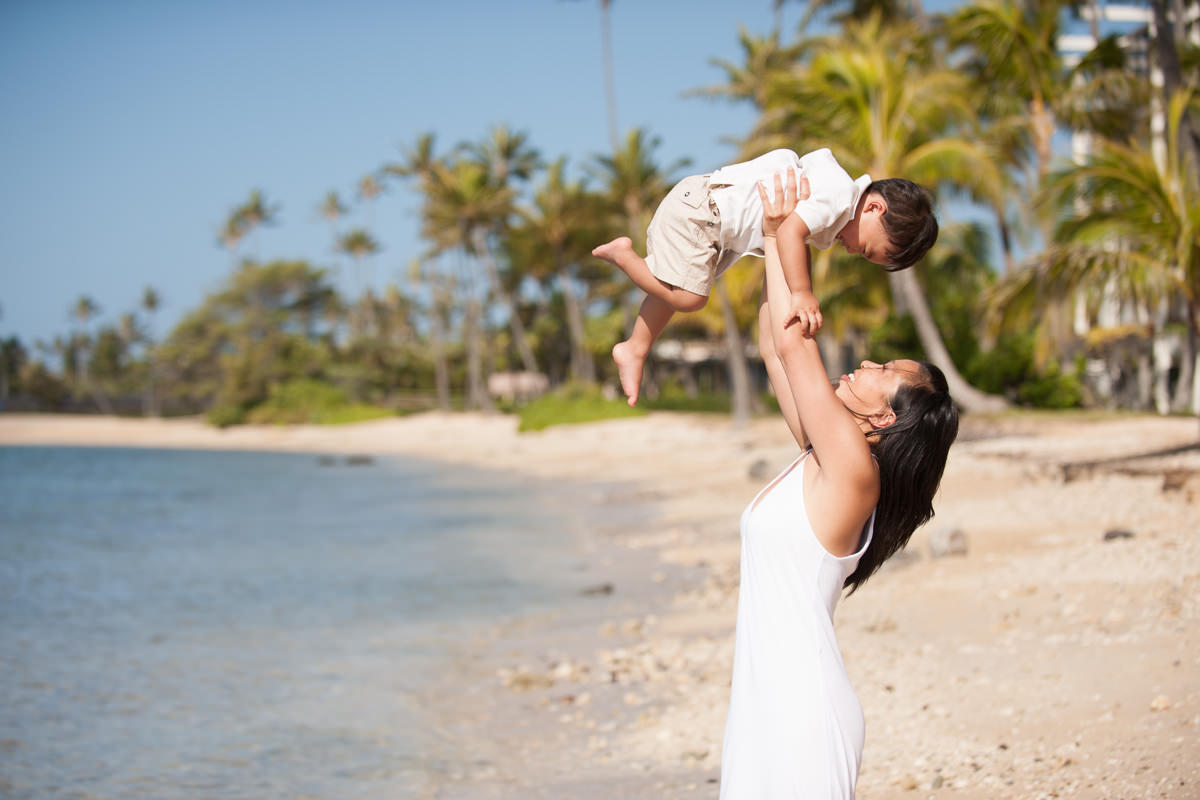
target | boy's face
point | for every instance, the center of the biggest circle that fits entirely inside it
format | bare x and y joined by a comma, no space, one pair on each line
864,235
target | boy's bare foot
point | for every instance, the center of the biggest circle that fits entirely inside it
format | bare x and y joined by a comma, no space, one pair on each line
618,247
629,369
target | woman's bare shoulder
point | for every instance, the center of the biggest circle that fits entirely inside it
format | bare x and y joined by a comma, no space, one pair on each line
840,504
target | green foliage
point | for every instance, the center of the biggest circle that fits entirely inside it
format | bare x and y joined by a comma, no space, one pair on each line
1052,389
570,404
1010,368
13,357
308,401
223,415
267,325
48,389
673,397
895,338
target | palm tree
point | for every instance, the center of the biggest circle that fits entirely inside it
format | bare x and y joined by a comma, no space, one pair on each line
332,210
231,234
887,105
150,304
610,92
255,213
369,189
742,398
455,201
507,156
83,311
1137,228
464,208
1173,81
761,56
554,240
843,11
439,306
634,184
1012,53
443,229
358,244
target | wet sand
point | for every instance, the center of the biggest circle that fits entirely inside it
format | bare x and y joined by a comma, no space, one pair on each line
1056,657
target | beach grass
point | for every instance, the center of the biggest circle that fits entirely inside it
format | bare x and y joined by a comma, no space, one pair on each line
312,402
571,404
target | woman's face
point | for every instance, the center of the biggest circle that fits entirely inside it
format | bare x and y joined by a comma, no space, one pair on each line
867,392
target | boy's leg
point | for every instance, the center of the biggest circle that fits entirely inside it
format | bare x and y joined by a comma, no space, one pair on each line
620,252
630,354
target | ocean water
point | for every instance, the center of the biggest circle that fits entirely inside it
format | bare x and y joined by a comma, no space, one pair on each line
183,624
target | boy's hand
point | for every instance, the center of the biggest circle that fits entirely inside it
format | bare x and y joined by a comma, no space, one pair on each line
805,312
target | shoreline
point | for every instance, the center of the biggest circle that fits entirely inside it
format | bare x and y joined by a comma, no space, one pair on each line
1046,661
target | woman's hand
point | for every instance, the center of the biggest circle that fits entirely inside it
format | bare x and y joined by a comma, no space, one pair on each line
804,311
777,208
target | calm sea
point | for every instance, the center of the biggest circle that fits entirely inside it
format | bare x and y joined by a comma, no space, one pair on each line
181,624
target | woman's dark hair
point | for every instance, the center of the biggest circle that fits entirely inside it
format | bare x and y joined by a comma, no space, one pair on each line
909,222
912,456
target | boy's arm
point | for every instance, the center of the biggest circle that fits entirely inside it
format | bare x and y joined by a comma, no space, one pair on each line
796,260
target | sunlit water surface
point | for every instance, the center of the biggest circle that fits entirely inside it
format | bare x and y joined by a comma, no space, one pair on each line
181,624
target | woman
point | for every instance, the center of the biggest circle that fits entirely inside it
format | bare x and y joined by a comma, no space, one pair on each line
875,445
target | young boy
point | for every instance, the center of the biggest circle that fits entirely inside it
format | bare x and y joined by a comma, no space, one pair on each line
707,222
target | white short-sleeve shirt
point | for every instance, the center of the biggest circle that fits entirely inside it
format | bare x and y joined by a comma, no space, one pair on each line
831,205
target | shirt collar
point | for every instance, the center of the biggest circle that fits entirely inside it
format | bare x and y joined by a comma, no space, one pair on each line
860,186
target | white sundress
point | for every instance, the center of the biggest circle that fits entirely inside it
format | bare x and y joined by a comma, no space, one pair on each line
795,725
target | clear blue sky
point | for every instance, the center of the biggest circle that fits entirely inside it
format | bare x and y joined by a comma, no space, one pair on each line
131,128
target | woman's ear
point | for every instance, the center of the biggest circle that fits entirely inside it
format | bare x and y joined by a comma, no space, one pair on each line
883,419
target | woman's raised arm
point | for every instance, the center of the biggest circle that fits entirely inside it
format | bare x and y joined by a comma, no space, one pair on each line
849,480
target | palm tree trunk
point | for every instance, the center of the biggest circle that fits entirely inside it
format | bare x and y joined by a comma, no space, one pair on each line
1196,383
1194,355
437,351
1162,374
1042,123
1184,391
477,396
98,395
583,366
520,341
1162,352
610,92
739,372
1168,62
1145,379
633,214
1002,227
149,399
904,286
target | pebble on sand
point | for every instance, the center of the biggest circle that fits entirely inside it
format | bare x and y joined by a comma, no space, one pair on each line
947,542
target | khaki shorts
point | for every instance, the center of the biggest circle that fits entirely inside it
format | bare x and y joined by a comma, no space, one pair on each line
683,242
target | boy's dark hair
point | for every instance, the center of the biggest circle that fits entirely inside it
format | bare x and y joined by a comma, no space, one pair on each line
908,222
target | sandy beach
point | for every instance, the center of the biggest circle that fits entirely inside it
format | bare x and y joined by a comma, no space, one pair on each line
1037,639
